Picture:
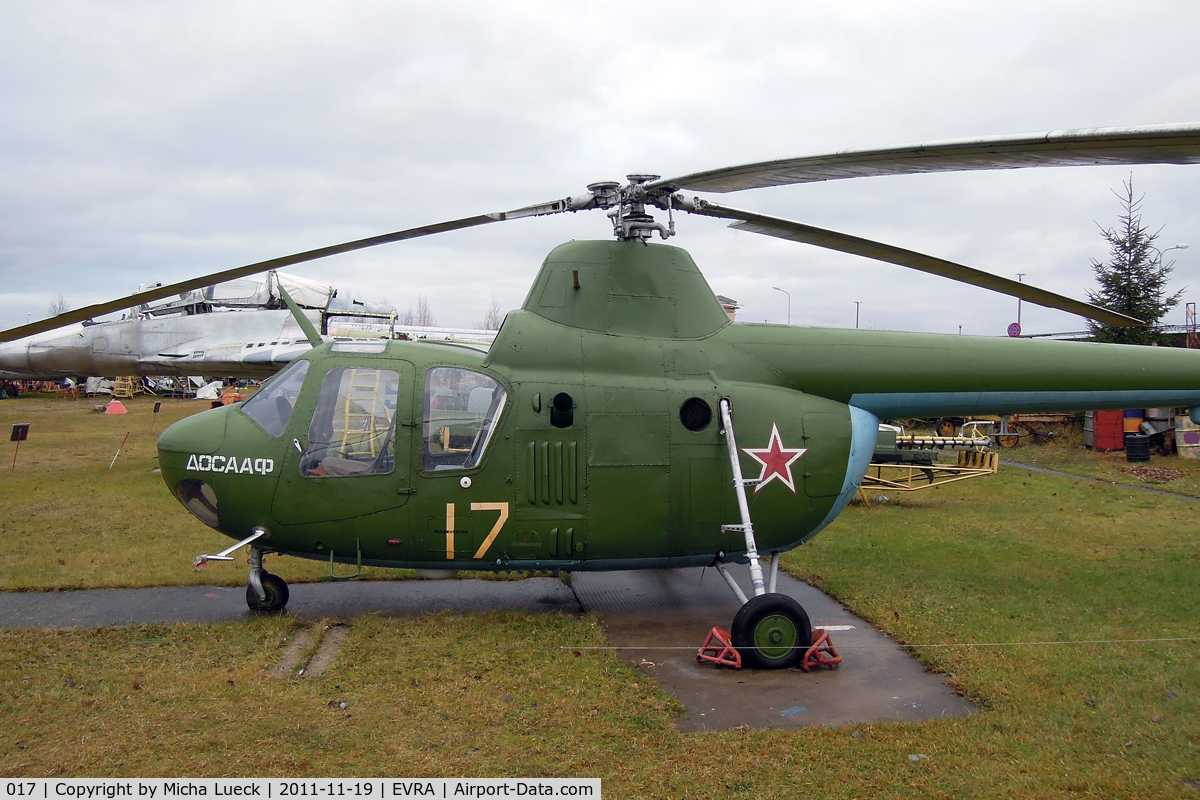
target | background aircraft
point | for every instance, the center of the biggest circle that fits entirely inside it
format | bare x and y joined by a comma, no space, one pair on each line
237,329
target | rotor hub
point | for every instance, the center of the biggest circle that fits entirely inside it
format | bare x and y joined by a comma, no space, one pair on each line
631,222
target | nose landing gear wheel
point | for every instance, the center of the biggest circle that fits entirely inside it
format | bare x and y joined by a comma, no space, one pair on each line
772,631
276,591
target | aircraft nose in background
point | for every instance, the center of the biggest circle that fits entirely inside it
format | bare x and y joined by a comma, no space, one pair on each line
58,354
14,357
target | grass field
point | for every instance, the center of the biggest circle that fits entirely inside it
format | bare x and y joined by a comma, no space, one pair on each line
959,574
72,522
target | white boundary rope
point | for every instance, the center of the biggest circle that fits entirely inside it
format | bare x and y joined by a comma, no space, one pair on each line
1191,639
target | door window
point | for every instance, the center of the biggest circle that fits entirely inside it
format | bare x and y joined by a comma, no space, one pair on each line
461,409
353,426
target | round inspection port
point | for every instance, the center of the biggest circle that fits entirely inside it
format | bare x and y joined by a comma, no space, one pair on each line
695,414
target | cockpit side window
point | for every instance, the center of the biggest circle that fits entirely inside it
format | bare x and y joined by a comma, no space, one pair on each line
461,409
272,407
353,426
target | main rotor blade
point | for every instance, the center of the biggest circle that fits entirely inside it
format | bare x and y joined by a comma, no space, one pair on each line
832,240
1156,144
159,292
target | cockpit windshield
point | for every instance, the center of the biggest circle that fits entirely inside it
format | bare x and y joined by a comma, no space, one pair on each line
461,409
272,407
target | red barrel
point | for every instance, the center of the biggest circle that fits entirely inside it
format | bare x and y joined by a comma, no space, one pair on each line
1108,427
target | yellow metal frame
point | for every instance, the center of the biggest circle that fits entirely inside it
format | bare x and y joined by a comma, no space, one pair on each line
915,477
127,386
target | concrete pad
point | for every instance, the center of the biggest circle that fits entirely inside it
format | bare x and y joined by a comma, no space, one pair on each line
658,620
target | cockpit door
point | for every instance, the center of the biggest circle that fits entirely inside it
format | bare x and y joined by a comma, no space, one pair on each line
350,440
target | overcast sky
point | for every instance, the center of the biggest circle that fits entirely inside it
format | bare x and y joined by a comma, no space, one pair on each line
155,141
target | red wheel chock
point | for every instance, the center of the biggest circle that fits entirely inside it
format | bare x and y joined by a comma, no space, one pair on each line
821,654
722,653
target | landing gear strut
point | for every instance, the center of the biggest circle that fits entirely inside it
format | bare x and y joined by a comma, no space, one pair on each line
771,630
266,593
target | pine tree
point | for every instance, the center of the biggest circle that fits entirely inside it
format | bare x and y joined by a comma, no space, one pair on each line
1134,279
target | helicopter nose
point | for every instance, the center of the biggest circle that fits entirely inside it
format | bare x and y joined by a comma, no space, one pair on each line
182,448
199,434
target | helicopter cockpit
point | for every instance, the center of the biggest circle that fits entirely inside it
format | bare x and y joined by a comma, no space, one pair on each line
353,425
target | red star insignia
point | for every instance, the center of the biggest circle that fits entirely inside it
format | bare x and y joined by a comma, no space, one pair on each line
776,460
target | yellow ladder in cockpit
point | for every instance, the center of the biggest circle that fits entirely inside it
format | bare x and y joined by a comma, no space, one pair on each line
361,412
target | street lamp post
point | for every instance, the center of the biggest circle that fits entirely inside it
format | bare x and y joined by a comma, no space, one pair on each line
1163,253
789,297
1020,275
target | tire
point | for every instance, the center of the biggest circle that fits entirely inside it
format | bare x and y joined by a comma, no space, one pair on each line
277,595
1007,440
945,426
772,631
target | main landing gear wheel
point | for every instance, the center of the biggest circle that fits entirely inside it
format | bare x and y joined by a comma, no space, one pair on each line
276,591
772,631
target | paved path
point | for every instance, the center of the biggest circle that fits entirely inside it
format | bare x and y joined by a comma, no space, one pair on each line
656,619
99,608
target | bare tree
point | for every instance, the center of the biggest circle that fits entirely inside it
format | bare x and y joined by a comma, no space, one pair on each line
421,317
492,318
425,318
59,305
